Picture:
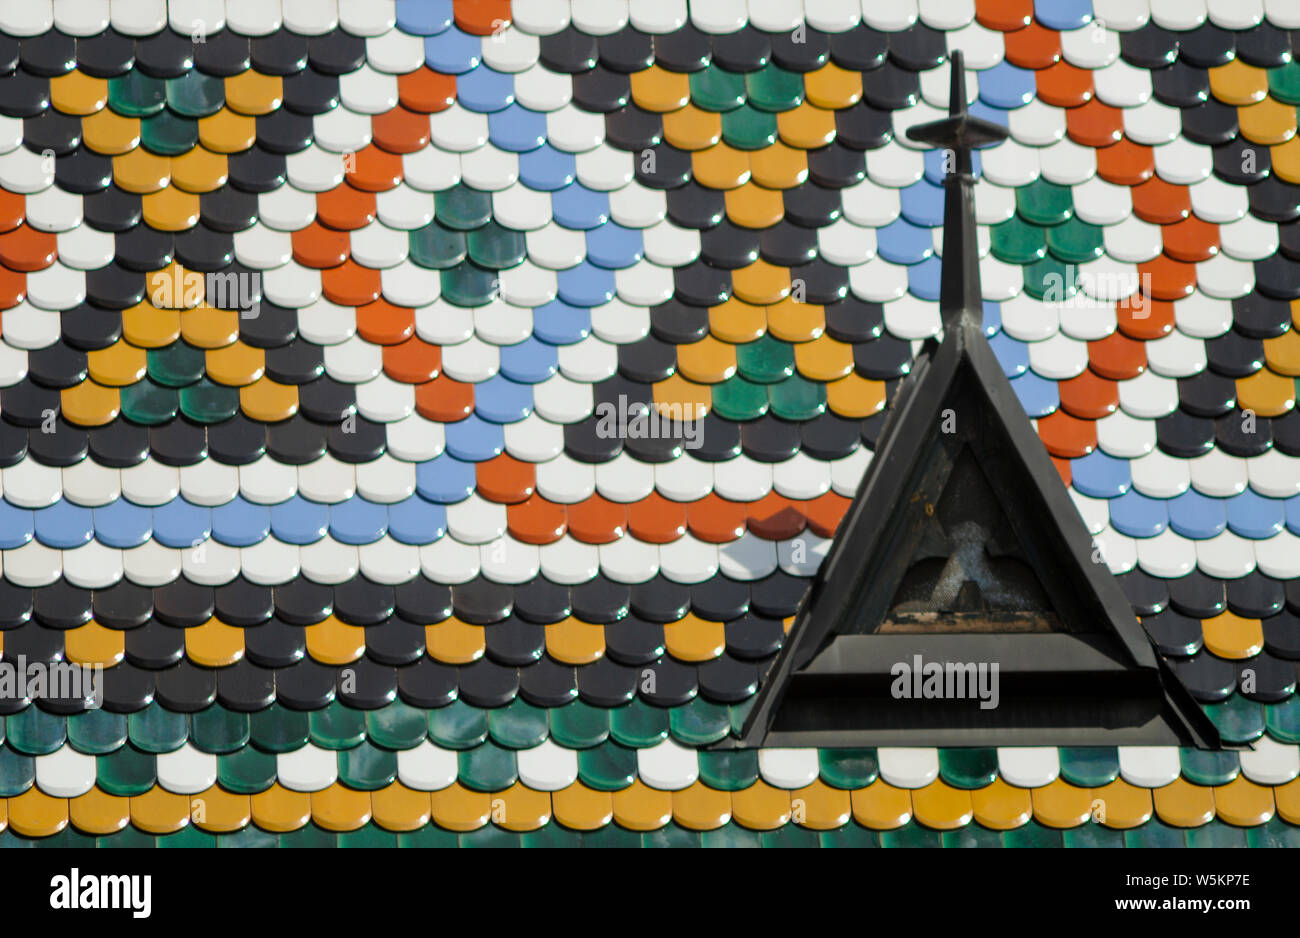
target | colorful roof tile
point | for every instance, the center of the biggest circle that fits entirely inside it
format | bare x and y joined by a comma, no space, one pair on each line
347,351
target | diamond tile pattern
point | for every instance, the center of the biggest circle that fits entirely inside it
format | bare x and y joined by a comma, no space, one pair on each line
311,313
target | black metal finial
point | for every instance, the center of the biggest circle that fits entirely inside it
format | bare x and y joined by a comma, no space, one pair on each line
960,298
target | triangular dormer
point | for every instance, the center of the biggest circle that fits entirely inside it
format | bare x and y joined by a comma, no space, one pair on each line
962,575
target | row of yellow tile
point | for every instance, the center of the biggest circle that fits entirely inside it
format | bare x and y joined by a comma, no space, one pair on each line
789,320
638,807
198,171
723,167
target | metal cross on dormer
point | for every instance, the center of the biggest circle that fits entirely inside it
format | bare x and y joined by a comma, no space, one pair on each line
960,297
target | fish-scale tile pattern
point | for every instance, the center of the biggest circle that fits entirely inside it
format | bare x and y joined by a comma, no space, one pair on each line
352,357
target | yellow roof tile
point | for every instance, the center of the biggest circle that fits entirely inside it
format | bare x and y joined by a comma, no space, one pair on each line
159,811
268,401
820,807
140,171
1182,804
761,283
1238,83
854,396
881,806
779,166
1122,806
458,808
520,808
280,810
707,361
208,327
692,129
214,644
1283,353
657,89
251,92
1268,122
89,404
109,133
642,808
824,359
170,209
78,94
99,813
691,638
761,807
792,321
1287,798
401,809
93,644
149,327
200,170
236,364
1267,393
1002,807
227,132
581,808
752,206
942,807
333,641
680,399
1231,636
833,87
220,811
36,814
455,642
720,166
737,322
573,641
118,365
807,126
339,808
1244,803
1061,804
1286,160
701,808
